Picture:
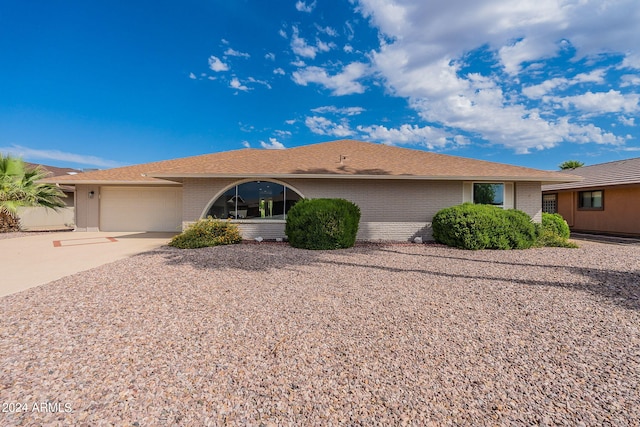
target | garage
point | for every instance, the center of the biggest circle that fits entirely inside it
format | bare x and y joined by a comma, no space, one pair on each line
140,209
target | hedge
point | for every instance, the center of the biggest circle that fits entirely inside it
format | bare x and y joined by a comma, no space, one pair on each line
322,224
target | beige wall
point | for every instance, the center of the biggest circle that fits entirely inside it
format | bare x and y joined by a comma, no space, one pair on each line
619,216
390,209
528,199
41,218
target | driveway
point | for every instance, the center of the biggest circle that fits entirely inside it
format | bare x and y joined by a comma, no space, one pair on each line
35,260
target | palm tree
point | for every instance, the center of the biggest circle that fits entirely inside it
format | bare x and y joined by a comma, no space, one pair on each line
20,187
571,164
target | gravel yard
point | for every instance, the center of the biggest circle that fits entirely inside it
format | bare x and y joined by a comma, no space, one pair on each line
264,334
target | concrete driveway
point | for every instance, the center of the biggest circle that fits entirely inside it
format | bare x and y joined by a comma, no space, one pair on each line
34,260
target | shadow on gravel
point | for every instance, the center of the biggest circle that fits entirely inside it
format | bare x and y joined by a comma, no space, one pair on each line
619,287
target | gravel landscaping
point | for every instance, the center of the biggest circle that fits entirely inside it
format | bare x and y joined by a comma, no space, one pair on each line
264,334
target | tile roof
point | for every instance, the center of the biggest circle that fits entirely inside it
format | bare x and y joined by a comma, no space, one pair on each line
52,170
336,159
621,172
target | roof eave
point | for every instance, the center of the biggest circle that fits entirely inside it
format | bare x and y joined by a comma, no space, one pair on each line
541,179
114,182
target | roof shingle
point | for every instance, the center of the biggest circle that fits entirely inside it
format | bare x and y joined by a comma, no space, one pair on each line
621,172
336,159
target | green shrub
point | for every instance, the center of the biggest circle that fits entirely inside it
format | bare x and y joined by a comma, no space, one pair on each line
555,224
322,224
554,232
471,226
207,232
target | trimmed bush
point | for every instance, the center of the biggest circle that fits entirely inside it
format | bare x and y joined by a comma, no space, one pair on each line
207,232
554,232
555,224
471,226
322,224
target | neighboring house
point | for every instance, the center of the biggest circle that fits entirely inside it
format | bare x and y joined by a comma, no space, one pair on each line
606,201
397,189
40,218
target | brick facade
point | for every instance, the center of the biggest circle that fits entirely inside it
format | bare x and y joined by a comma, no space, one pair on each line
390,209
528,199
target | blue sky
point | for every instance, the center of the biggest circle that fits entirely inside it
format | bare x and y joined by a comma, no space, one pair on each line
532,83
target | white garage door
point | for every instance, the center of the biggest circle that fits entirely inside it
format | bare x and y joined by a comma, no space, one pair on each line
140,209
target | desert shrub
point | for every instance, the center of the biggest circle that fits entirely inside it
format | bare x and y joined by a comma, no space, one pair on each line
207,232
554,232
471,226
322,224
554,223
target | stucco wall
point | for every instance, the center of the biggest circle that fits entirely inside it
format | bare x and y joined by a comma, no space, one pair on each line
40,218
619,216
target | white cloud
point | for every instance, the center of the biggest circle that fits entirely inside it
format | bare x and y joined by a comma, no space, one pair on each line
595,76
627,121
233,52
427,136
39,156
323,126
273,144
324,47
540,90
343,83
260,82
630,80
279,71
347,111
632,60
601,102
424,44
303,7
282,133
192,76
327,30
270,56
236,84
300,46
246,144
217,65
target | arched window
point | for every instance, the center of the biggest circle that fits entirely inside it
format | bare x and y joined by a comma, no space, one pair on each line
255,200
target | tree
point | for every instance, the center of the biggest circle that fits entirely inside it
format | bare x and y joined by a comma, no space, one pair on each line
20,187
571,164
484,194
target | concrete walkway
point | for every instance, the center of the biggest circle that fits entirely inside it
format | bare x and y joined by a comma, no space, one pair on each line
31,261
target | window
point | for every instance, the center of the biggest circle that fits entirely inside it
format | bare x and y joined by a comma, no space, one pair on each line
550,203
488,194
591,200
254,200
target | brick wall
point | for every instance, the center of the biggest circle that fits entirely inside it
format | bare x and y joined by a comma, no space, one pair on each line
529,199
391,209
